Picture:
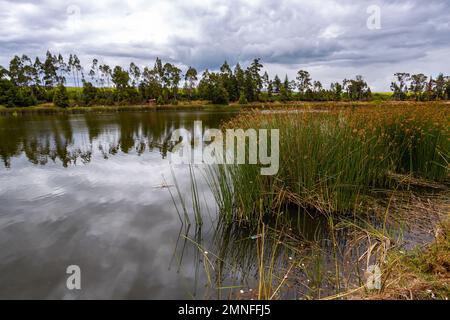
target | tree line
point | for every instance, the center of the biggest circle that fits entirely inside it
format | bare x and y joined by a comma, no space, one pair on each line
420,87
30,82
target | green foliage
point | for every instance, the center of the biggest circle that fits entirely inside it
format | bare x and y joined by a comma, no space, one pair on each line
160,100
284,94
219,94
242,98
13,96
304,81
190,79
357,89
61,98
120,78
89,95
336,90
399,86
34,82
285,90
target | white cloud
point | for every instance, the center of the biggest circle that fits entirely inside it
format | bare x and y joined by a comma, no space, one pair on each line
329,36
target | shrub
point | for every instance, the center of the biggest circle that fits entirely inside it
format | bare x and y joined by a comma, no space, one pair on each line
219,94
89,95
242,98
160,100
60,97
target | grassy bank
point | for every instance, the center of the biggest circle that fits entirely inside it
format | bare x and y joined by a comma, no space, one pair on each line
419,274
50,109
202,105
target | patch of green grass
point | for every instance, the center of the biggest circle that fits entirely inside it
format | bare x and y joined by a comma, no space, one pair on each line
382,96
51,109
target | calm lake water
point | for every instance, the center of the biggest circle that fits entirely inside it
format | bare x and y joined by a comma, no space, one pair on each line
92,190
98,191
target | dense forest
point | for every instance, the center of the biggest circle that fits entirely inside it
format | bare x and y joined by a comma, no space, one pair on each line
30,82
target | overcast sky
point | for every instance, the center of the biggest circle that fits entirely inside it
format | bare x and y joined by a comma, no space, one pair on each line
329,38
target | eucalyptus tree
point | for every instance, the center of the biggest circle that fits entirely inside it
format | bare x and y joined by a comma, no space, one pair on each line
286,90
418,85
120,78
15,71
336,90
254,70
276,84
270,88
429,93
211,88
61,98
204,86
439,86
50,77
61,69
303,81
219,93
239,78
38,72
171,78
78,69
135,74
3,72
21,71
72,68
105,75
249,86
400,85
151,85
447,88
158,71
93,72
175,80
29,70
265,80
89,94
190,79
159,67
356,89
317,86
229,81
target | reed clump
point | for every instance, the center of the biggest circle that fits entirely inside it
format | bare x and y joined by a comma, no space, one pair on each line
337,161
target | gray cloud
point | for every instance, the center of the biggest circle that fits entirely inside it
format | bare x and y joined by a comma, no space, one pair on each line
330,37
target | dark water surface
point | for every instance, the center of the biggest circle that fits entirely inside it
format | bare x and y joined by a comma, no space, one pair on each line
91,190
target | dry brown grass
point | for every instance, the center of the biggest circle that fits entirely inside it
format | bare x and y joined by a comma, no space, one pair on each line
421,274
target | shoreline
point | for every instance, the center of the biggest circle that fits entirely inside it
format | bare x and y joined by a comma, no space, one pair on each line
315,105
49,110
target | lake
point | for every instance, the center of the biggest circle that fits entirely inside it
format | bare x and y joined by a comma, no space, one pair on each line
92,190
98,191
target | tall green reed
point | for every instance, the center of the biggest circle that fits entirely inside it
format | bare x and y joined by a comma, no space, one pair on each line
334,162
